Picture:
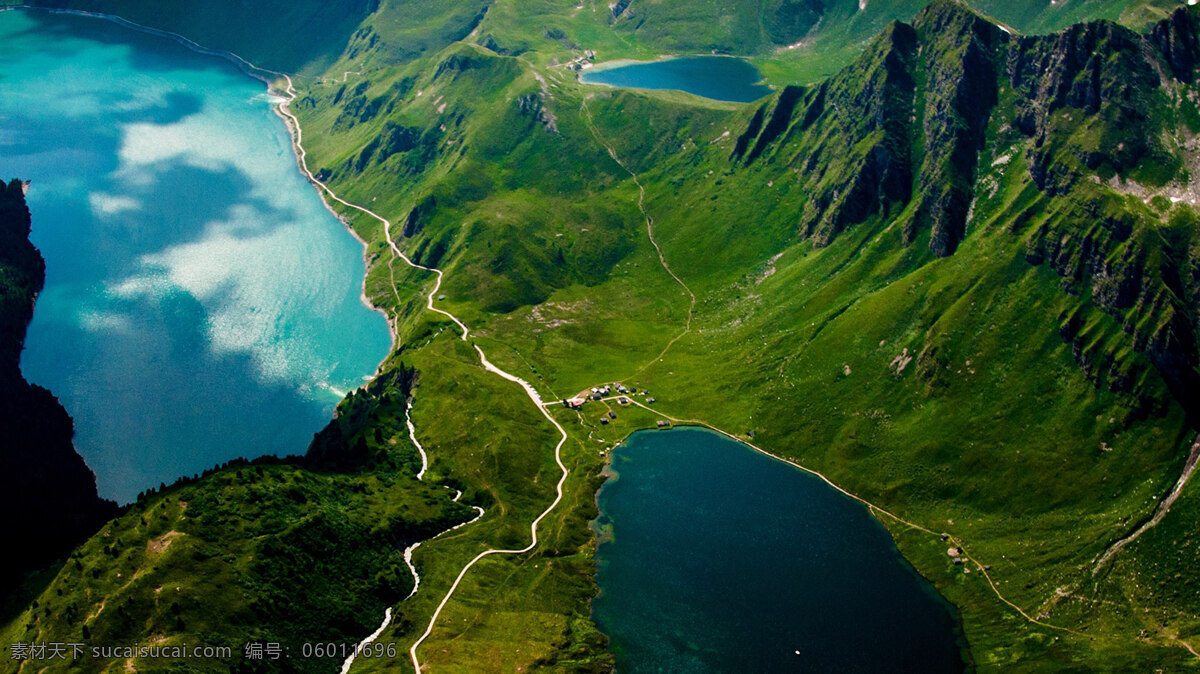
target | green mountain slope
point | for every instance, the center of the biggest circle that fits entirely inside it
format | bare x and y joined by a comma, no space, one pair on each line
958,277
790,39
752,26
971,262
278,551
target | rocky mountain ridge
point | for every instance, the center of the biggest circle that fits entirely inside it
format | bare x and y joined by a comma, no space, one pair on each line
902,134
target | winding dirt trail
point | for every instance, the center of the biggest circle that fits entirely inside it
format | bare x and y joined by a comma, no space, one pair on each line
641,204
270,76
349,662
293,123
408,552
980,567
530,391
533,528
1189,467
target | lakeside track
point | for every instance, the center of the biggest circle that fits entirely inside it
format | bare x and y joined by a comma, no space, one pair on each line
269,77
297,137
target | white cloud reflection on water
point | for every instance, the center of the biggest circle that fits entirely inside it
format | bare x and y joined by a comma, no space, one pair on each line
266,280
201,303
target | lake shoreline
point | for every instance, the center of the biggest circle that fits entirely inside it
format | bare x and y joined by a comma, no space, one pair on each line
603,533
621,63
714,77
682,459
333,373
269,78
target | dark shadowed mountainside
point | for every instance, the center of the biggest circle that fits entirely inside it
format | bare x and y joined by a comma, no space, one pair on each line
47,493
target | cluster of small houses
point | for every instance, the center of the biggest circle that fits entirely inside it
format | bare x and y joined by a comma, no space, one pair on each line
581,62
624,397
960,558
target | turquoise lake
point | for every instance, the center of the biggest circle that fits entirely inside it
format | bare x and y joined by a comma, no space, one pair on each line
718,77
201,304
714,557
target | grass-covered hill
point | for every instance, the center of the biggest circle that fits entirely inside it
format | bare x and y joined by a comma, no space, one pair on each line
789,39
811,27
958,277
294,552
1096,104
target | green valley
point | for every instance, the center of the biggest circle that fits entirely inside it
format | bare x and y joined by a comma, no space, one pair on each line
951,264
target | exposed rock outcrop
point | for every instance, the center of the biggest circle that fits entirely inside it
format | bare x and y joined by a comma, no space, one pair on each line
533,105
848,137
958,53
1099,70
1177,40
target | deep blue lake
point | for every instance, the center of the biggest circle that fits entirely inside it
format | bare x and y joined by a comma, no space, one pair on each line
201,303
714,557
718,77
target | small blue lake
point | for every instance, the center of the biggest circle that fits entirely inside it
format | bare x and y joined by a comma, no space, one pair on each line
201,304
721,78
714,557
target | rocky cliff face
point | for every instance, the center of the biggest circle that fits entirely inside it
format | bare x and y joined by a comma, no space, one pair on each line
1176,40
887,145
1095,104
47,494
848,138
1099,71
898,138
958,55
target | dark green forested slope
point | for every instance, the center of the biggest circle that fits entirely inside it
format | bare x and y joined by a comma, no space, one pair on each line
282,551
293,551
958,277
47,494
